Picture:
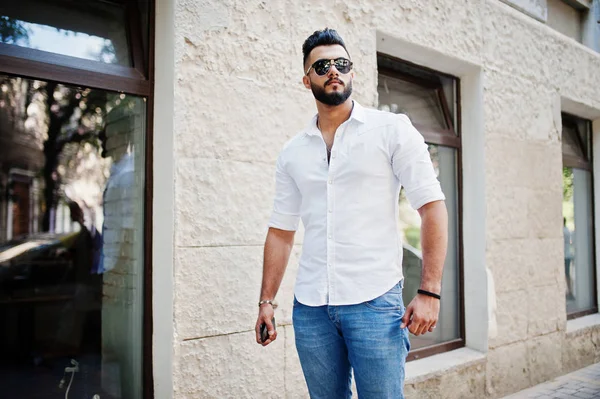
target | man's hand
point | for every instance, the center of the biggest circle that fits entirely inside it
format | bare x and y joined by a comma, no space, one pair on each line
265,315
421,314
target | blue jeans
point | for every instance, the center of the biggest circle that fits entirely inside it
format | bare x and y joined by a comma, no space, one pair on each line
332,340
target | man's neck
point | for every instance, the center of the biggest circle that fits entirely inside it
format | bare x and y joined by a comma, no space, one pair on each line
331,117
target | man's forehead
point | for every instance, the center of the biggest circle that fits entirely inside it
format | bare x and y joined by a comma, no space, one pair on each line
329,51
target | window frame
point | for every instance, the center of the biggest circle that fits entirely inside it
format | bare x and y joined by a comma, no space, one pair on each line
574,162
44,65
450,137
137,80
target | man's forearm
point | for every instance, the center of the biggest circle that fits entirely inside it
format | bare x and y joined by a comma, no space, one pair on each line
278,247
434,242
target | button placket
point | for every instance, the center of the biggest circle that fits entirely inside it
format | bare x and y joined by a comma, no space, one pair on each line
339,136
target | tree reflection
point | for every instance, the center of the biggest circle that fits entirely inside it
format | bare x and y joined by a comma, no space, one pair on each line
13,31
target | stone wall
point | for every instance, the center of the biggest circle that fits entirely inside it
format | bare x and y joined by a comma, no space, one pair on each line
239,98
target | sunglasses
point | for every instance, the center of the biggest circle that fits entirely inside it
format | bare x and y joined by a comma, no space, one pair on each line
321,67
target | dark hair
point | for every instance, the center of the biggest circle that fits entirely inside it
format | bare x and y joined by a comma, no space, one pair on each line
323,37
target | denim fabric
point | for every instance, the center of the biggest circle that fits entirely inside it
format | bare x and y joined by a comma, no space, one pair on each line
332,340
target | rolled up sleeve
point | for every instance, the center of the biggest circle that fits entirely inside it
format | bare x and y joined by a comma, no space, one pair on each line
286,206
412,165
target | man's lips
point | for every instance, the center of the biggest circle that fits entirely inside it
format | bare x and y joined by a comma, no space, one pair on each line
334,81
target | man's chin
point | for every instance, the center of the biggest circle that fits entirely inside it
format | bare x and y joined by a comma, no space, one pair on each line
334,100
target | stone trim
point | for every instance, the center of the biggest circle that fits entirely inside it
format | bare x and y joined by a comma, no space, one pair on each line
575,326
443,363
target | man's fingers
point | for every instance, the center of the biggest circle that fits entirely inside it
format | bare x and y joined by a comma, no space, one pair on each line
269,324
406,317
257,330
272,338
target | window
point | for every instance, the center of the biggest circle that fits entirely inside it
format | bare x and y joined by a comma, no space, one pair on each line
75,152
577,19
431,102
567,17
578,216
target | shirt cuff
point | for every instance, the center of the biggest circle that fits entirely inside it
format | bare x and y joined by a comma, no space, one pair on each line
284,222
425,195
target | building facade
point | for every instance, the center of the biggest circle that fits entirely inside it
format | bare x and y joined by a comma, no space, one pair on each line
192,102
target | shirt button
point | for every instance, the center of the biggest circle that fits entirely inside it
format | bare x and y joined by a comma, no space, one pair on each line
329,211
330,236
330,181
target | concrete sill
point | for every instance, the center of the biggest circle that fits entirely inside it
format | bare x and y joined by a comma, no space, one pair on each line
436,365
576,325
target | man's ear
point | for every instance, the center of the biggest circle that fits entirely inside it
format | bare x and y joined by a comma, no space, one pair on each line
306,81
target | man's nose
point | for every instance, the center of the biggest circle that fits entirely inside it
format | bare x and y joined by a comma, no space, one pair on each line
333,71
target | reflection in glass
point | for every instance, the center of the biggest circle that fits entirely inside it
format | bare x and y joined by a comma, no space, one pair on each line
89,30
422,105
578,239
448,328
71,223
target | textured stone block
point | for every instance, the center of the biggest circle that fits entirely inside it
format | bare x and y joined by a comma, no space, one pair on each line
578,350
218,288
544,213
462,382
508,261
511,316
246,27
507,213
545,357
230,366
407,19
546,266
544,164
507,369
596,342
520,111
216,203
545,310
511,43
502,173
249,134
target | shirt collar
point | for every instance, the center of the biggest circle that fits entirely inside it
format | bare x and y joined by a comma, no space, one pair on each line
358,114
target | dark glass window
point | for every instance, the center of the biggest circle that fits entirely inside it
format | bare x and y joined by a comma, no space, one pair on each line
578,216
429,99
72,169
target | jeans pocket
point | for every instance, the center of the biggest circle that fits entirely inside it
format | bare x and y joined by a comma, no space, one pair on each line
390,301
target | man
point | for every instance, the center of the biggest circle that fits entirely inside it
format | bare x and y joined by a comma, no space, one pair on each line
342,175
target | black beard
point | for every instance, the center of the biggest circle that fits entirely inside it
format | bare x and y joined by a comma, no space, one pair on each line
334,98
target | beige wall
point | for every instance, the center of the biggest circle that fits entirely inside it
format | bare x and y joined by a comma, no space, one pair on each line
238,97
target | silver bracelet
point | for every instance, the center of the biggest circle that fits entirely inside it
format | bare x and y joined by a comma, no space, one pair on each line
270,302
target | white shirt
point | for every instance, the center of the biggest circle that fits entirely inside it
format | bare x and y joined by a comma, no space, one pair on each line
352,249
